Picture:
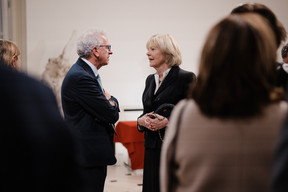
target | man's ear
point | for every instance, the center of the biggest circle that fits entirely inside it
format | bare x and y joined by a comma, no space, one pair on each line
96,52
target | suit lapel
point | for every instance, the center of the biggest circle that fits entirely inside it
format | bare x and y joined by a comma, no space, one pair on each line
152,87
172,75
86,67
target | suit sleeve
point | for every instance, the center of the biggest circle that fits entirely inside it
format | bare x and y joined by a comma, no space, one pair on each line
91,98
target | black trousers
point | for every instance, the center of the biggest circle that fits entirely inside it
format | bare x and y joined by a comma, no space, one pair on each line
95,178
151,170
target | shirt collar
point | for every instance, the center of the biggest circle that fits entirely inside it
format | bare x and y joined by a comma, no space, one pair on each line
164,75
94,69
156,76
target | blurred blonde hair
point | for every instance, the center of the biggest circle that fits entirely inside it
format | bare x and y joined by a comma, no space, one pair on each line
8,50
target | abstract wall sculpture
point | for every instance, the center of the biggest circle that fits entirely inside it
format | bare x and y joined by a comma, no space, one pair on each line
56,69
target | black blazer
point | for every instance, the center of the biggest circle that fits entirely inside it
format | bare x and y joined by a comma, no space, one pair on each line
173,89
86,108
38,150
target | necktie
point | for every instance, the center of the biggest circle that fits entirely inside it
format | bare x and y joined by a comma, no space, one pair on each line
99,81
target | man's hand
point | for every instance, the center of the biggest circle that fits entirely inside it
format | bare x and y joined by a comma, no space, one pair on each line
108,97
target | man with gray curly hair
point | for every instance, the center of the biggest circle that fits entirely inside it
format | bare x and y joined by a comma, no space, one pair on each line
90,109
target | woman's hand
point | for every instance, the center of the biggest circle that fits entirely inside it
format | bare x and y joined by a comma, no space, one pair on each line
153,121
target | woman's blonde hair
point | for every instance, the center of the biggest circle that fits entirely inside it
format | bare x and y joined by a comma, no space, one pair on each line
168,47
8,50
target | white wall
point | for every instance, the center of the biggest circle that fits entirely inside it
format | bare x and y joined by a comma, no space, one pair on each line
128,25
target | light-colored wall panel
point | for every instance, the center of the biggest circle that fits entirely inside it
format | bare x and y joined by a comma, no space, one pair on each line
128,25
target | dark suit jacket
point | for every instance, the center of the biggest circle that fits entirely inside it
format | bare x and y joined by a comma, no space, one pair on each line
38,150
174,88
83,101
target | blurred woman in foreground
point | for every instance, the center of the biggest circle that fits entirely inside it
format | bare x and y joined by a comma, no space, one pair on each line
223,138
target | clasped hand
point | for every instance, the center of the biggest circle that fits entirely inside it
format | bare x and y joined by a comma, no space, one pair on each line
154,121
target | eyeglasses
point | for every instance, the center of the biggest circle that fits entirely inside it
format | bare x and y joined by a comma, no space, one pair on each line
107,46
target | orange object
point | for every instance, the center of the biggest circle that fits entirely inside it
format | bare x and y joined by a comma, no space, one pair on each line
133,141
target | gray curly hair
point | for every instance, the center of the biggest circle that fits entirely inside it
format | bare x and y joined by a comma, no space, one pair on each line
87,41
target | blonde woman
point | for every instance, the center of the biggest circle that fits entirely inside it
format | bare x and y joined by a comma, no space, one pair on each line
10,54
168,85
